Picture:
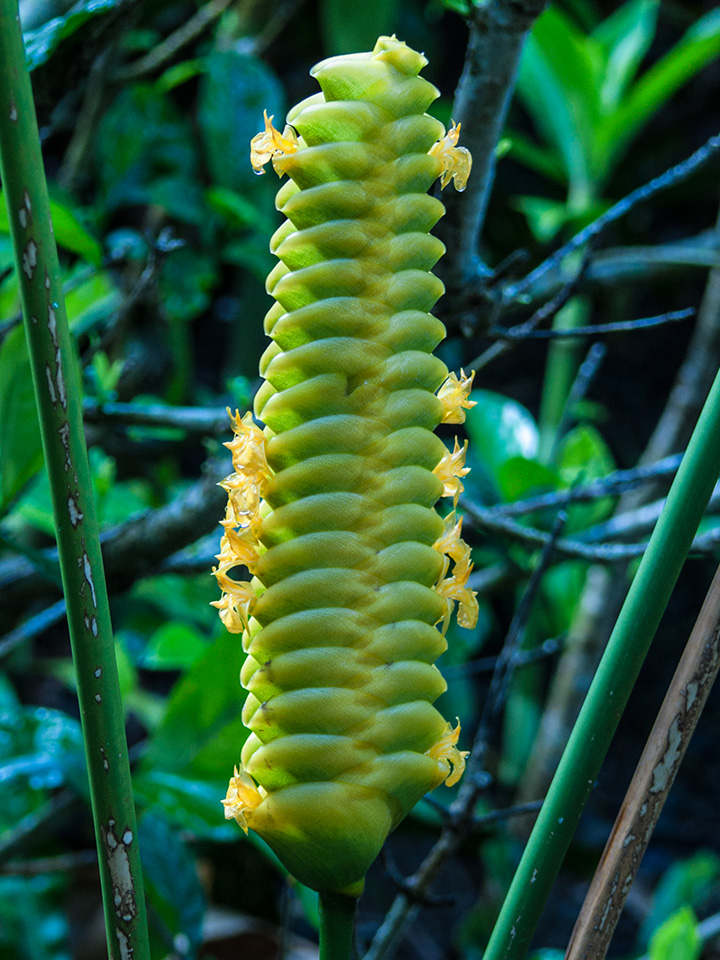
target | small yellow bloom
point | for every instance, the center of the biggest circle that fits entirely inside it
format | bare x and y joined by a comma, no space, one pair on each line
242,798
454,396
450,759
456,161
270,144
451,469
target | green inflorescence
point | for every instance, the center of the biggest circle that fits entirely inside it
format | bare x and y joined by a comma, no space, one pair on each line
331,506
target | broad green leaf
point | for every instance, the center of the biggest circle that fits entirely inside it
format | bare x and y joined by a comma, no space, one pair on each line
40,43
70,233
625,37
351,28
558,81
698,47
520,477
177,597
178,74
687,882
192,805
545,217
174,646
172,885
499,429
239,86
582,456
33,918
543,160
187,279
677,938
21,454
141,139
204,701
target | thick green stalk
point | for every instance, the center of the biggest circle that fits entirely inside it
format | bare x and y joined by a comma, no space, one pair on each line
337,915
58,400
611,688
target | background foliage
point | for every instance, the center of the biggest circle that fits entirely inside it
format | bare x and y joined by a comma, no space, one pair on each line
146,113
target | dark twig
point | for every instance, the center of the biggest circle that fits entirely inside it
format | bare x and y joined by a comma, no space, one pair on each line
581,384
622,326
543,313
498,29
672,177
195,420
31,628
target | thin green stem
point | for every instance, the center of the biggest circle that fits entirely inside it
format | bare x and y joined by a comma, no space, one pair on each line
337,916
58,401
611,688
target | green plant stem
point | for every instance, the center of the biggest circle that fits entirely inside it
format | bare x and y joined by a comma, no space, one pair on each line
611,687
337,916
58,401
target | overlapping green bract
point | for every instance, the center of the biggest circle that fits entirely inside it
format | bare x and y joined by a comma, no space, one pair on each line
332,509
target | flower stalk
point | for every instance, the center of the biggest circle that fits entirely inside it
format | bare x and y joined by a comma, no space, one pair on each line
58,402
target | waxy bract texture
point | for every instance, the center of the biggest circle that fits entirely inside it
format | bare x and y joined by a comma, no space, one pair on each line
331,507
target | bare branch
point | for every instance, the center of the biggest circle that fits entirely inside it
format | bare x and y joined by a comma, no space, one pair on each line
622,326
498,29
671,178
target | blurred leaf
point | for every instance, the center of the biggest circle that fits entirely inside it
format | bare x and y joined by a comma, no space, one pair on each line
349,29
33,924
691,881
545,217
172,887
141,139
192,805
499,429
582,456
542,160
698,47
677,938
178,74
237,210
40,749
70,234
206,699
520,477
40,43
625,36
187,279
179,597
21,452
173,646
240,86
558,80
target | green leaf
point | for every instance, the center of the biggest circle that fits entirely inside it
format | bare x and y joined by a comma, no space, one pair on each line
677,938
70,234
582,456
172,886
204,701
545,217
33,920
692,881
543,160
240,86
350,28
558,84
173,646
521,477
21,454
178,74
141,139
499,429
187,279
625,37
40,43
192,805
698,47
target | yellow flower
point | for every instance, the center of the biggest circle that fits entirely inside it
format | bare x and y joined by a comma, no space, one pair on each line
450,760
456,161
242,798
270,144
454,396
451,469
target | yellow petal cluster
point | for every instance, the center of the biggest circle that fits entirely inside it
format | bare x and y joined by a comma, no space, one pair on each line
451,470
456,161
242,798
454,589
240,545
270,144
450,760
454,395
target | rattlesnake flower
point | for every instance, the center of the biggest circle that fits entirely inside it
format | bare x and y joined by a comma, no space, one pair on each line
331,505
